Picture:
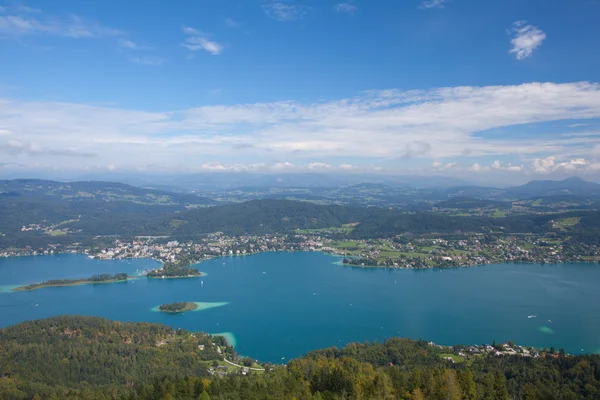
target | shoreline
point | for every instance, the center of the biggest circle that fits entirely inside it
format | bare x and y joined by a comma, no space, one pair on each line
326,252
202,274
463,266
342,264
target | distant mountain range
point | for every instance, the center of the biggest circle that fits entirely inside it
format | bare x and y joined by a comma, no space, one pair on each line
571,186
107,208
38,189
218,181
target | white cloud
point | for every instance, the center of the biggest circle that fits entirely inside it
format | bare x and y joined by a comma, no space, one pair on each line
232,23
318,165
476,167
593,167
415,149
544,164
577,125
23,21
433,4
283,10
347,7
526,39
573,165
346,167
386,127
73,26
197,40
130,44
18,147
514,168
25,9
149,60
550,164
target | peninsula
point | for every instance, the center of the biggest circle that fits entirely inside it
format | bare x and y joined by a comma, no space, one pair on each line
102,278
178,307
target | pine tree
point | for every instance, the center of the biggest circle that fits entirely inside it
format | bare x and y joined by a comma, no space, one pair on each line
417,394
467,384
500,390
204,396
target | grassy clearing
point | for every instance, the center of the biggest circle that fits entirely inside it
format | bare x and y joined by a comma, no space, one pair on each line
345,229
347,245
564,223
56,233
412,254
551,240
458,252
390,254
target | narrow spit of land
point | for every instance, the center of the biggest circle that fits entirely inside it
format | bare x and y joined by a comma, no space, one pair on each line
103,278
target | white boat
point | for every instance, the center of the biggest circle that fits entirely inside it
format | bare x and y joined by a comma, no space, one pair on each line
531,316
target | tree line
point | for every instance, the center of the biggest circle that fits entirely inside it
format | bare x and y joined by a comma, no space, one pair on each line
94,358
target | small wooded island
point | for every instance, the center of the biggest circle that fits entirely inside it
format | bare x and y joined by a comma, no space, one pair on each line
178,307
173,270
102,278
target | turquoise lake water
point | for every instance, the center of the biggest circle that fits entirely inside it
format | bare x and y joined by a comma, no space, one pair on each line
277,306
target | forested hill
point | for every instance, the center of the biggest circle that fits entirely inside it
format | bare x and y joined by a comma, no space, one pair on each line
33,201
44,190
285,216
252,217
93,358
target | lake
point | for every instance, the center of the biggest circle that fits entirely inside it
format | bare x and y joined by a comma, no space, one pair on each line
277,306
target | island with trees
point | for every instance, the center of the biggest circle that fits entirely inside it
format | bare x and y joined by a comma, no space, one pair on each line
178,307
102,278
174,270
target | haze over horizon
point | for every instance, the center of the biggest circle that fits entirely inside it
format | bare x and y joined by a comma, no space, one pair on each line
487,92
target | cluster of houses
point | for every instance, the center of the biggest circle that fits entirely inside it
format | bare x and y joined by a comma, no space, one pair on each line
210,246
472,250
504,349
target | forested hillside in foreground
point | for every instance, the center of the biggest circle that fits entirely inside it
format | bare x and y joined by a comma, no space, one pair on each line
94,358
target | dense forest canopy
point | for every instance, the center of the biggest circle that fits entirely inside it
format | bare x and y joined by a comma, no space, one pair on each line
93,358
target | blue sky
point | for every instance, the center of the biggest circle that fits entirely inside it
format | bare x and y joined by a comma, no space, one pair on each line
502,90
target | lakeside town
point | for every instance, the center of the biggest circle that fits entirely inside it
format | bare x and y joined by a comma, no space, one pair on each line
403,251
